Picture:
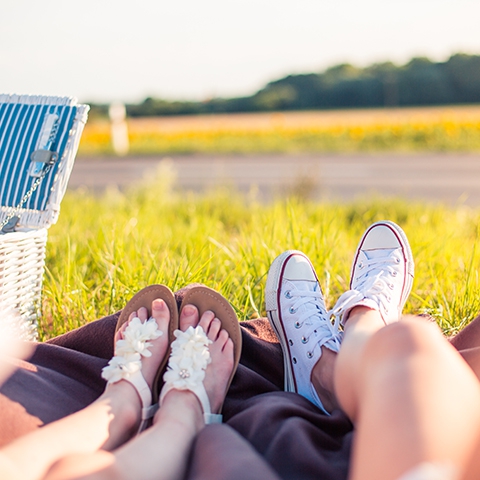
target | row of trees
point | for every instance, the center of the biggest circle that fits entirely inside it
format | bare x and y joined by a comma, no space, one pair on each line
419,82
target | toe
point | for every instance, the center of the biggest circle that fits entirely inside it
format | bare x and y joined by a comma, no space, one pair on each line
120,331
215,327
228,347
206,320
222,339
188,317
161,313
142,314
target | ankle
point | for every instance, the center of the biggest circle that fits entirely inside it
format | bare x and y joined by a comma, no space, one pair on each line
363,315
182,408
123,403
323,379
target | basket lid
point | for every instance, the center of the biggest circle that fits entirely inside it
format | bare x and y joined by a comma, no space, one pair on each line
38,135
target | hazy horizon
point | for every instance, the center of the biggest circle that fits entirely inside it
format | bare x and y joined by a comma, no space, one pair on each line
102,51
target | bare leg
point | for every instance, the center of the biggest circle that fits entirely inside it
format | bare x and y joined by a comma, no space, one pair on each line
323,379
161,451
469,337
467,342
361,325
411,395
105,424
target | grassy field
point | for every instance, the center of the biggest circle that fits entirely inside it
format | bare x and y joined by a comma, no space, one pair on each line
407,129
104,249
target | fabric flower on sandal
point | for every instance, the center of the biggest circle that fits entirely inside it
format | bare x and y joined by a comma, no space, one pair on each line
130,349
189,358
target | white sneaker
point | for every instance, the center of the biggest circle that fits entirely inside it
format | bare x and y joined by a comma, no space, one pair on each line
382,273
297,313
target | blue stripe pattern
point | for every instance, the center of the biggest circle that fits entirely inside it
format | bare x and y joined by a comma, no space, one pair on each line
20,128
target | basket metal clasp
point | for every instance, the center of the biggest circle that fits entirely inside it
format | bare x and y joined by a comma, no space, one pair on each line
43,155
10,224
39,159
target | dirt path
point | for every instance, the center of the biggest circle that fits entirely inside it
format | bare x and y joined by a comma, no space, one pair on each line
449,178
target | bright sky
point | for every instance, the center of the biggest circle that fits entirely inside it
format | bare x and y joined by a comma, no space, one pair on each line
101,50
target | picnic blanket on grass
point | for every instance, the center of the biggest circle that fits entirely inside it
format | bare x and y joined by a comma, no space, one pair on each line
267,433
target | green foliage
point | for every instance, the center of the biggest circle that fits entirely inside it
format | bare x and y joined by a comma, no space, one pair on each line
104,249
274,98
97,112
419,82
151,106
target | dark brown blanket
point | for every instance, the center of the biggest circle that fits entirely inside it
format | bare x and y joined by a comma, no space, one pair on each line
267,434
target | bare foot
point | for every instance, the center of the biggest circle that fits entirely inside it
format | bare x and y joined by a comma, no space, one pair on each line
123,393
159,346
217,373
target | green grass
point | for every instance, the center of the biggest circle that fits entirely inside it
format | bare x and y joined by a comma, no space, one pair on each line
104,249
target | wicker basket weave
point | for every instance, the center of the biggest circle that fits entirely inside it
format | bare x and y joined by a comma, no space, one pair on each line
22,261
23,122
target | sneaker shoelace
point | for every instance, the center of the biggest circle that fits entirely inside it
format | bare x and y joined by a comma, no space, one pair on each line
315,320
371,283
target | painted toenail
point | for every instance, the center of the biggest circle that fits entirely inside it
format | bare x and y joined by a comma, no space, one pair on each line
158,304
189,310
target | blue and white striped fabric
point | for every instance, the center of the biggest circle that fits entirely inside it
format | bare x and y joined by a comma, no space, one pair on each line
20,129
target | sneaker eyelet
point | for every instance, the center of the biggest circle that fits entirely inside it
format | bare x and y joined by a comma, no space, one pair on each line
290,342
391,286
297,325
304,340
360,265
309,354
288,294
294,360
292,310
397,260
394,273
389,298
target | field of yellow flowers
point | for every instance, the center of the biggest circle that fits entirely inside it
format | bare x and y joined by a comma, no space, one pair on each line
455,128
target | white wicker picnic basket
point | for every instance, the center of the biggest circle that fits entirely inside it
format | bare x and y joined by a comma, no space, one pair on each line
39,137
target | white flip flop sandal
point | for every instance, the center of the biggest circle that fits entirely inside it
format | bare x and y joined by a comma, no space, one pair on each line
186,368
126,364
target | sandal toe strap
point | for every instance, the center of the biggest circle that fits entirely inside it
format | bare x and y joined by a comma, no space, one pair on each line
142,389
149,412
145,394
186,368
212,418
127,363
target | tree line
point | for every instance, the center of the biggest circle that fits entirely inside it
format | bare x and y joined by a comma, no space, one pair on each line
418,82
